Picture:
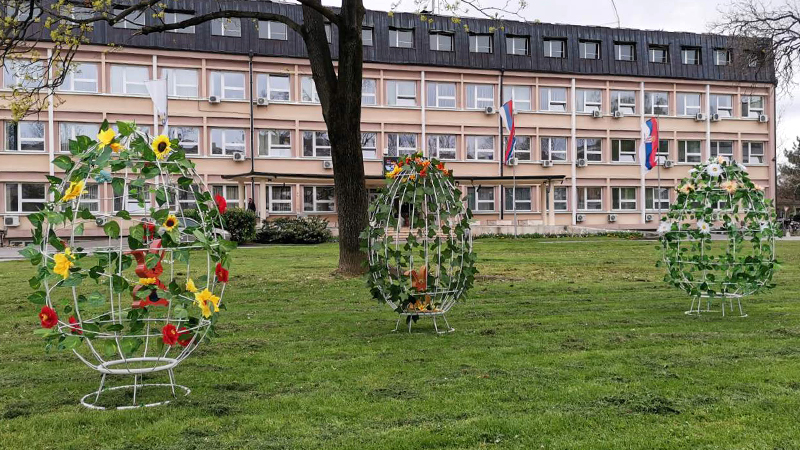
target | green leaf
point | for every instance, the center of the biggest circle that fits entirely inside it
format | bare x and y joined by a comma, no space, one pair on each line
111,229
29,251
124,214
63,162
126,128
38,298
71,342
79,229
119,284
118,185
115,327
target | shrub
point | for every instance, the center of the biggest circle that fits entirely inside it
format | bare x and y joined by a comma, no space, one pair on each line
241,224
290,230
192,213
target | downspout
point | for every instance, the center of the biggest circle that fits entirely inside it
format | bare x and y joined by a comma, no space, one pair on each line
573,133
423,96
252,136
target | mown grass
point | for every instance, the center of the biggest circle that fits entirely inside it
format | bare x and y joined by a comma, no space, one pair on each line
563,345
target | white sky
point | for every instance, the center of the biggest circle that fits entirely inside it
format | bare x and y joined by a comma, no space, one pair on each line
671,15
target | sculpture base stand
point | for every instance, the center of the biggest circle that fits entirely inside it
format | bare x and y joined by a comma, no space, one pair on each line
697,304
431,314
92,399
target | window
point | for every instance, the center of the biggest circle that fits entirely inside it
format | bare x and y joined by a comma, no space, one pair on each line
658,54
25,197
176,17
688,104
560,199
133,21
554,148
135,201
663,151
753,152
369,145
328,32
623,101
442,146
689,151
624,51
318,199
480,198
480,43
402,93
129,80
553,99
273,87
228,85
722,104
588,100
226,141
188,138
555,48
308,90
517,45
231,27
624,198
275,143
518,199
441,42
690,56
71,131
91,199
623,150
401,144
82,77
522,149
401,38
752,106
480,148
722,57
280,199
521,96
271,29
441,95
25,136
656,103
229,192
366,37
479,96
23,74
590,199
369,92
316,144
590,149
181,82
656,198
589,49
722,148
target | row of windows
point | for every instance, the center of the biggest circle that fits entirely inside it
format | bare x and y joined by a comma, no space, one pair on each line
520,199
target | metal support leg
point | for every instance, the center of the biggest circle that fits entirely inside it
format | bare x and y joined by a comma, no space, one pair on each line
435,327
100,389
397,325
172,382
135,388
449,328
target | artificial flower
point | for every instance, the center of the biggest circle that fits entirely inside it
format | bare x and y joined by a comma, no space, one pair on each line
170,223
704,227
169,334
664,227
74,191
397,169
686,188
741,167
412,177
423,173
73,324
147,281
161,146
221,273
205,300
714,170
764,225
222,204
440,166
758,187
184,337
419,279
721,160
730,186
116,147
106,137
190,286
48,317
63,263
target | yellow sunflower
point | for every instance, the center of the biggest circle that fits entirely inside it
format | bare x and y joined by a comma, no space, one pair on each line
106,137
190,286
171,222
74,190
147,281
116,147
161,146
63,263
205,300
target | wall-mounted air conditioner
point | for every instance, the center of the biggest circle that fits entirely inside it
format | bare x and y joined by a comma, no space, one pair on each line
612,217
490,110
763,118
597,114
11,221
648,217
327,164
213,99
547,163
668,164
715,117
581,162
580,217
513,162
262,101
238,156
618,114
700,117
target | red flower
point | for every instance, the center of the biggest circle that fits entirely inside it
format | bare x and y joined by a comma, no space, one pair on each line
221,273
169,334
423,173
48,317
440,166
184,337
73,323
222,205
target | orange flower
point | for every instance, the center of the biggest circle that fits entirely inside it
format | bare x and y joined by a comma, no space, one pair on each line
423,172
419,279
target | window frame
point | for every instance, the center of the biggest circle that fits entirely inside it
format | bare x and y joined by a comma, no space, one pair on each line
523,150
223,87
583,47
173,85
435,36
618,201
687,157
474,100
434,101
686,51
272,149
581,103
19,139
315,202
125,83
583,198
472,141
18,208
318,147
512,90
67,130
618,54
548,50
269,33
651,54
653,96
631,156
186,143
474,43
365,94
585,150
716,108
271,200
307,82
474,198
365,150
226,146
133,21
619,105
728,56
650,199
747,101
548,99
510,196
70,79
226,30
512,45
371,40
435,149
171,17
397,32
716,146
546,144
747,153
267,80
394,101
223,190
401,151
683,106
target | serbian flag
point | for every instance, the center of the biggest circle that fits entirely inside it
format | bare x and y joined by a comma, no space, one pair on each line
649,145
507,113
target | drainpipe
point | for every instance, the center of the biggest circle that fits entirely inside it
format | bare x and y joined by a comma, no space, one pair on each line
424,98
574,142
252,136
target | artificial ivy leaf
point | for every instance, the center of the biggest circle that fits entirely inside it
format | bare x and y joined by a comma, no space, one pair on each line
118,185
111,229
63,162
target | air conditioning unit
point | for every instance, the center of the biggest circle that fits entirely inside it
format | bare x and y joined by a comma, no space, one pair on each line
490,110
238,156
648,217
327,164
715,117
668,164
513,162
612,217
580,217
715,217
213,99
100,221
262,101
618,114
11,221
763,118
597,114
581,162
700,117
547,163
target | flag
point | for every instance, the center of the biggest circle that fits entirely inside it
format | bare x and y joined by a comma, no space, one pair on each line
649,147
507,113
158,93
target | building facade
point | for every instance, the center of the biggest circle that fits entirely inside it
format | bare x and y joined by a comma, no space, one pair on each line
580,94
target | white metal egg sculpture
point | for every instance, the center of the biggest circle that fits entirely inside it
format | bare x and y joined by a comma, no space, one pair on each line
718,239
419,243
135,304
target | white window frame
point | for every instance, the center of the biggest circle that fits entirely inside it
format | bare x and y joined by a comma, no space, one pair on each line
176,132
435,147
651,108
20,201
273,30
91,199
315,203
367,36
626,157
174,81
317,149
436,39
369,145
619,46
650,199
747,152
555,48
22,74
397,100
722,51
512,92
132,204
546,99
439,100
717,147
560,198
583,50
228,27
369,92
651,54
273,149
308,90
228,148
73,76
67,132
583,198
475,100
748,111
547,144
475,45
401,37
225,91
230,192
133,21
121,71
473,191
518,45
582,106
582,145
686,109
395,139
510,196
617,197
663,150
272,201
723,111
268,81
687,157
171,17
626,108
685,60
522,149
20,139
479,153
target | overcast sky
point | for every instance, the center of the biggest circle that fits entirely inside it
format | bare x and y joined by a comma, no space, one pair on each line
671,15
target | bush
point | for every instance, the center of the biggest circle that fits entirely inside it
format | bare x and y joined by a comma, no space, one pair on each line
290,230
241,224
192,214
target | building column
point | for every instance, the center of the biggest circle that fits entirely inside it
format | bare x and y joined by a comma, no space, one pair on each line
543,203
264,201
242,195
551,201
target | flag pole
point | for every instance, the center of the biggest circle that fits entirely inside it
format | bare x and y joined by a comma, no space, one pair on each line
514,197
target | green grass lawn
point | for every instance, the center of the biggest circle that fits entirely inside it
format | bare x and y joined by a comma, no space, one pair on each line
562,345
